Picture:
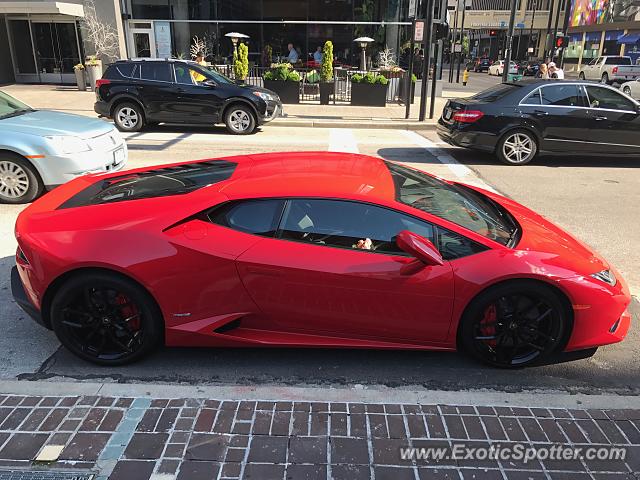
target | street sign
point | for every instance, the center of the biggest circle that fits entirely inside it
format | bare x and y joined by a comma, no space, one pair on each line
412,8
419,32
520,25
452,4
530,50
503,24
457,48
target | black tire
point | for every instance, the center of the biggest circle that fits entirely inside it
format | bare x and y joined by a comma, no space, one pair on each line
19,180
605,78
517,147
128,117
514,325
581,76
627,90
240,120
106,319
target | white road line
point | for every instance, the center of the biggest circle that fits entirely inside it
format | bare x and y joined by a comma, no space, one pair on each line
464,173
342,140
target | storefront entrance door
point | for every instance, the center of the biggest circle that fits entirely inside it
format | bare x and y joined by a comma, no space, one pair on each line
56,51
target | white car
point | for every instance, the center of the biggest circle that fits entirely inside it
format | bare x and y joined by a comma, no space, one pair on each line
498,68
41,149
632,88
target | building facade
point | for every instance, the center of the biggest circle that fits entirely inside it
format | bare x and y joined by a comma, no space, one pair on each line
603,27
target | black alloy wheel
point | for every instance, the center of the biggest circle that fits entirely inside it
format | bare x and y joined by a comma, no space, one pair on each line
512,327
105,319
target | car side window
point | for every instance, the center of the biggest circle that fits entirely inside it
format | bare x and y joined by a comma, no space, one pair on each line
453,245
561,95
258,217
156,71
533,98
600,97
183,75
349,225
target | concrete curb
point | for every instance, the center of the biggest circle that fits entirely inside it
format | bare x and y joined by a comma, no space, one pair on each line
357,124
59,387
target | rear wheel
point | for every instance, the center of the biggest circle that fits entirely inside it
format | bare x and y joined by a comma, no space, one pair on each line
627,90
517,147
19,181
128,117
514,325
106,319
240,120
605,78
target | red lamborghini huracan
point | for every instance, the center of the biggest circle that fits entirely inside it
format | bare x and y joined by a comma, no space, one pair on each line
308,250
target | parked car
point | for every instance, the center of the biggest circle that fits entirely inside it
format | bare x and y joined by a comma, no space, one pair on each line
140,92
610,69
482,65
632,88
529,68
41,149
289,249
497,68
519,120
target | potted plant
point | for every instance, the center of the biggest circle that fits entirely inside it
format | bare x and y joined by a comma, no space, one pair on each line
94,70
284,81
369,90
241,63
403,89
81,80
327,86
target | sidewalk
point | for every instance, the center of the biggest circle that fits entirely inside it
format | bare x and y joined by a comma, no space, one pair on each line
139,438
69,99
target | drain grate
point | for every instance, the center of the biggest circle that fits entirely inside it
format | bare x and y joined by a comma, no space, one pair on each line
43,475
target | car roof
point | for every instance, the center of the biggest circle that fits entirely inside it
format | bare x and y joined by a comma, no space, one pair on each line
322,174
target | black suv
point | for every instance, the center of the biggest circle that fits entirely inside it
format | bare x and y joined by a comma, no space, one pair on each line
136,93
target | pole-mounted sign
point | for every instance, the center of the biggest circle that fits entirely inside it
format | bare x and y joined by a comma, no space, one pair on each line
419,31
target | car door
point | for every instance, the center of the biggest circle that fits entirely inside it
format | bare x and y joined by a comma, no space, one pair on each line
334,269
197,101
158,91
559,112
615,121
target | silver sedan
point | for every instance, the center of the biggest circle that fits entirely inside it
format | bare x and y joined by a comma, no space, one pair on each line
632,88
41,149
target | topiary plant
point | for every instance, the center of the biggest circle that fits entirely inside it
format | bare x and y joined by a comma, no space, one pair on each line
293,76
326,69
241,62
381,80
357,78
370,78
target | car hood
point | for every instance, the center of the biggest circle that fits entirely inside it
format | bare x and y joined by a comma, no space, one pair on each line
48,122
549,243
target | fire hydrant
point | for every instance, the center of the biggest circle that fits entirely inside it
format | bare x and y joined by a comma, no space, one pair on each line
465,77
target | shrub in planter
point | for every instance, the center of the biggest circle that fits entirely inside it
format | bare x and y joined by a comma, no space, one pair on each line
327,87
284,81
241,63
369,90
94,70
81,79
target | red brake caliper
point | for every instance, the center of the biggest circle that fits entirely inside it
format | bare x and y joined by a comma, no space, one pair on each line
128,310
488,324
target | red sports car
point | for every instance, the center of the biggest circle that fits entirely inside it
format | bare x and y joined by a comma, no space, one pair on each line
307,250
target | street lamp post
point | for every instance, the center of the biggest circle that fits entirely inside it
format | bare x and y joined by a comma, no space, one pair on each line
363,42
235,37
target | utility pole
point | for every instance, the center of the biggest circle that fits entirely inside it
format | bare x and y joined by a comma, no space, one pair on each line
453,43
509,46
533,18
546,38
427,14
408,83
555,29
464,10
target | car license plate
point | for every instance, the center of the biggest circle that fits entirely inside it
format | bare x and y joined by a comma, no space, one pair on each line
447,114
118,156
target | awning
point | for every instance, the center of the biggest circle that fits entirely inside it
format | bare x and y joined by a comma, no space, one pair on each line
629,38
43,8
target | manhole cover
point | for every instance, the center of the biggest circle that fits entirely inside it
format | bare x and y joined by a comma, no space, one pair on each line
43,475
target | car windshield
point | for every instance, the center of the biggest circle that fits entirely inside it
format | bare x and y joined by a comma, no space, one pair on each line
455,203
216,76
10,107
495,93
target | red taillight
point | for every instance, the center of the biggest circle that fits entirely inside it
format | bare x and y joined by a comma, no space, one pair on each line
102,81
614,70
468,116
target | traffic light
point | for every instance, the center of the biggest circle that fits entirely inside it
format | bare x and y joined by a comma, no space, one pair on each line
562,42
442,30
493,33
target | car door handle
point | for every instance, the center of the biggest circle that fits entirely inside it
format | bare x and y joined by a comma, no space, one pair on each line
600,117
540,112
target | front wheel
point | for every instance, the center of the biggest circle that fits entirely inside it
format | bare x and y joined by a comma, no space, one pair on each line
581,76
517,148
106,319
514,325
19,181
627,90
605,78
240,120
128,117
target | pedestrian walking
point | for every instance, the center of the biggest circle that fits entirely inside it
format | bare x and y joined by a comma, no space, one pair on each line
555,71
543,72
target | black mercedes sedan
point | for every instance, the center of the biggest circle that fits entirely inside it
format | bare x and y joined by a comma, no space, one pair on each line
143,92
518,120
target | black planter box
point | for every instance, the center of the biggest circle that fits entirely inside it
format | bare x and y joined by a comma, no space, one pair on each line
368,95
326,90
289,92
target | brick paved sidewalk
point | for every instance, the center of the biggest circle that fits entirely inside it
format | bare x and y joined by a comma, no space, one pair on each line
193,439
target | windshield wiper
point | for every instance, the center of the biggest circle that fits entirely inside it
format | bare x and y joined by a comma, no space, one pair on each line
15,113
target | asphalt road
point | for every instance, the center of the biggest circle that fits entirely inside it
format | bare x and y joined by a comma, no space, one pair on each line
580,195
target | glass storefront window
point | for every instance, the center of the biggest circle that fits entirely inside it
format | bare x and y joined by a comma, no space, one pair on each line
151,9
611,46
22,46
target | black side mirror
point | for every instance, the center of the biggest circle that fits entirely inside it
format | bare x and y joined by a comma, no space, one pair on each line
209,83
